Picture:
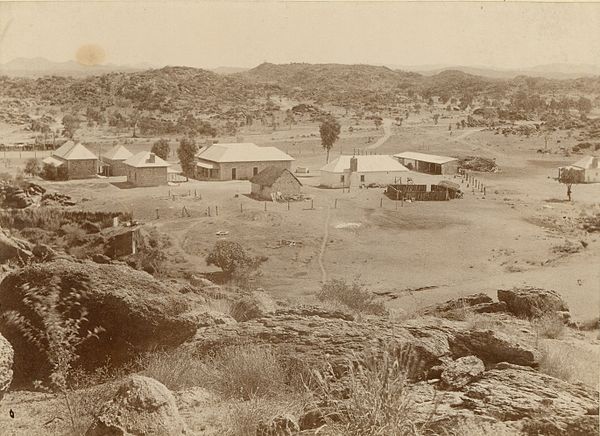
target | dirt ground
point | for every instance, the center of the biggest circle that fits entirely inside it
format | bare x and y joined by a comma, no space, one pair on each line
475,244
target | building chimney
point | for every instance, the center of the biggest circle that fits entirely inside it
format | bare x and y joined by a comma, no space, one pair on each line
151,158
353,164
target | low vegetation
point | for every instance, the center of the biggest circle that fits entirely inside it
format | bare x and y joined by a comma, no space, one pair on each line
570,363
237,264
353,296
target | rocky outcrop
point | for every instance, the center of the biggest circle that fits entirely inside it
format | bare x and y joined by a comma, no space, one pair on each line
6,365
142,406
462,371
312,339
12,248
136,311
531,302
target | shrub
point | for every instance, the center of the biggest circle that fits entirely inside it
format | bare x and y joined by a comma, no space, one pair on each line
248,418
176,369
32,167
161,148
235,262
354,296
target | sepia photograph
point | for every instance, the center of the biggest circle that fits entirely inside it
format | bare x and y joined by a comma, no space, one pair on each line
317,218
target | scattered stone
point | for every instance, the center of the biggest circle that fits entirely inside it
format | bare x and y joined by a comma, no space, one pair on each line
253,305
462,371
142,406
44,252
101,258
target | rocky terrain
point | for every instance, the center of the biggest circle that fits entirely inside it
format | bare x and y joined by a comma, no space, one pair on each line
172,358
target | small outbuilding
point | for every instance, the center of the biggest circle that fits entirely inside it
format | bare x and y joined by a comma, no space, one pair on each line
113,161
587,169
428,163
347,171
146,169
273,182
75,160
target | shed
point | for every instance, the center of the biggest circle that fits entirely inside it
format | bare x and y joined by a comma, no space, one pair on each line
273,182
146,169
428,163
114,161
80,163
238,161
346,171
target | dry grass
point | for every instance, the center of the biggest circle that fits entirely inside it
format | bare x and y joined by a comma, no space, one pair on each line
248,418
549,325
377,400
478,321
240,372
570,363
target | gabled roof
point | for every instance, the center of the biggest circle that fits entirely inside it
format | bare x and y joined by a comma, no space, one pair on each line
242,152
118,152
366,164
74,151
587,163
431,158
270,175
146,159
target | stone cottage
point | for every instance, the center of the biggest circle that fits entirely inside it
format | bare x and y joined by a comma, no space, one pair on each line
75,161
146,169
114,161
273,182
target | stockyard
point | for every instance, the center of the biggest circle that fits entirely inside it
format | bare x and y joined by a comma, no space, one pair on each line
416,253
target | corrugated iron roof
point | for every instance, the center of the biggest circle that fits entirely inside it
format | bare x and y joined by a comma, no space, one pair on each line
118,152
423,157
242,152
366,164
74,151
146,159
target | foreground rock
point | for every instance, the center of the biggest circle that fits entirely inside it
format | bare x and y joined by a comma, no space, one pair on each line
531,302
6,365
462,371
136,311
13,248
142,406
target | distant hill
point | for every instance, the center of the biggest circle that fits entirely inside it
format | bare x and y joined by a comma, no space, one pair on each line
39,67
228,70
550,71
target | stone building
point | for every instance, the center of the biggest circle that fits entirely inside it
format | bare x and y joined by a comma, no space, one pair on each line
273,182
113,161
146,169
352,171
239,161
74,160
587,169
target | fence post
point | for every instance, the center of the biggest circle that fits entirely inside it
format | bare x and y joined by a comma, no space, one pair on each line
484,191
241,207
217,210
335,205
157,217
381,202
208,210
312,204
265,206
195,193
288,205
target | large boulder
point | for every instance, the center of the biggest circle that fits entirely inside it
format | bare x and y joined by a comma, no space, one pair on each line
142,406
136,312
253,305
6,365
12,248
532,302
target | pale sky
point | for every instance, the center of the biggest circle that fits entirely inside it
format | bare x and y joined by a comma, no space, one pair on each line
210,34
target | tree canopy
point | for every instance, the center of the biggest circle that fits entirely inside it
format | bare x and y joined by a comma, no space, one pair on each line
187,155
330,132
161,148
